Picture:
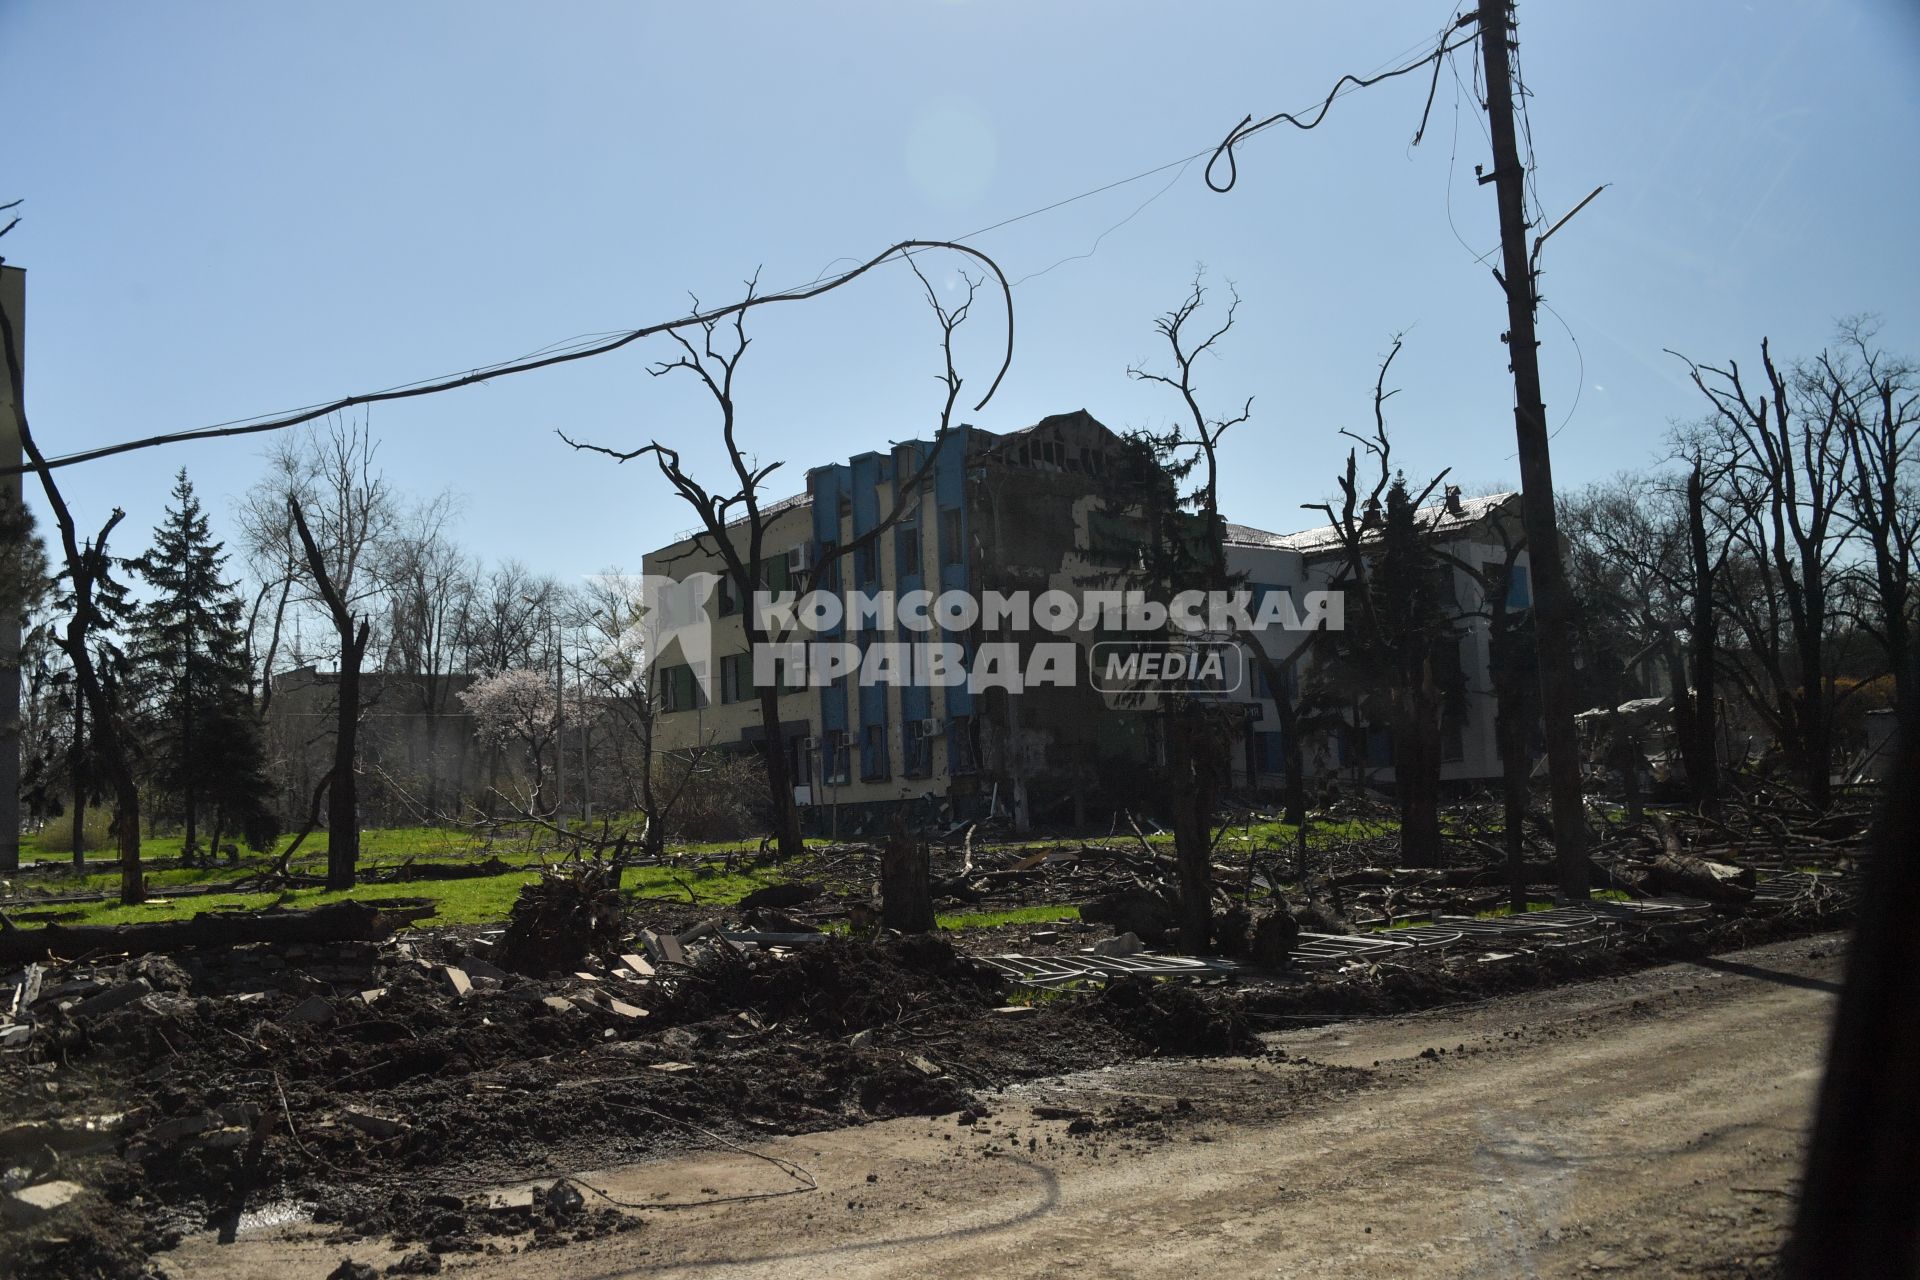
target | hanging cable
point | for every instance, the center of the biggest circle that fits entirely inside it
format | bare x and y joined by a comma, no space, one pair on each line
1248,127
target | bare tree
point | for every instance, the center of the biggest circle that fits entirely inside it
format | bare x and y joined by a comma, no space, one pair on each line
1643,564
510,620
427,582
341,510
608,611
1880,418
1778,456
734,520
1399,653
86,564
1513,662
342,781
1196,736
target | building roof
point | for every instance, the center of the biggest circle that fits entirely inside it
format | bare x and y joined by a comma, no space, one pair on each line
1326,537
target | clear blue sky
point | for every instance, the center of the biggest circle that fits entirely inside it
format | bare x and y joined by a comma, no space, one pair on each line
238,208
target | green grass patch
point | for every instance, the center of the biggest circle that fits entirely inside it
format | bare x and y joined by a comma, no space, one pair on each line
480,900
455,901
1048,914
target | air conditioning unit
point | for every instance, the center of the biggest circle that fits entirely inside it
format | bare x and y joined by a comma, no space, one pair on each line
809,745
839,737
926,728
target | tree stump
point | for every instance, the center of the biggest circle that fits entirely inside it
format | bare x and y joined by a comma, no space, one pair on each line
906,883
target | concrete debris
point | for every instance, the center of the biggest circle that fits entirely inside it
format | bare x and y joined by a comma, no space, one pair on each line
625,1010
1017,1011
673,1066
638,964
663,948
372,995
112,998
559,1004
458,980
475,967
924,1065
30,1204
1125,944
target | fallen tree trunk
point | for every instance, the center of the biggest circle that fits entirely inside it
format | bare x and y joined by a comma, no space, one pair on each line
1698,878
335,922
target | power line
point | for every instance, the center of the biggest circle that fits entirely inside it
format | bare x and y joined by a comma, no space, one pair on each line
1247,127
577,349
586,346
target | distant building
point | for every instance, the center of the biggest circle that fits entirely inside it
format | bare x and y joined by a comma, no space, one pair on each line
419,758
1029,510
1467,530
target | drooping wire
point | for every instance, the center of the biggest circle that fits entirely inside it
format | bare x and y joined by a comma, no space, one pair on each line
1095,246
1453,149
1580,381
574,349
588,345
1248,127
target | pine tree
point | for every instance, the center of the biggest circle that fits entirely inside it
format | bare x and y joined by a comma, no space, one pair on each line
190,651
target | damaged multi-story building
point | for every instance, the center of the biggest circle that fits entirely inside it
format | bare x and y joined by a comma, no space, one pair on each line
1054,507
1035,510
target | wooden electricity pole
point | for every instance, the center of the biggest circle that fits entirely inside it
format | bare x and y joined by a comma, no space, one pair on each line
1553,622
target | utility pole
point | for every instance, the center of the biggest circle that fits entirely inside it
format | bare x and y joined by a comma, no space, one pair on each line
1553,623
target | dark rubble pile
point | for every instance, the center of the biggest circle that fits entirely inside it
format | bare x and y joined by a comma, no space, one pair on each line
379,1086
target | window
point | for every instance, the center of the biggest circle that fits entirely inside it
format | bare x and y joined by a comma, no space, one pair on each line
736,677
778,572
953,548
833,758
906,541
865,567
678,690
1269,751
874,764
1519,588
916,752
729,598
1453,740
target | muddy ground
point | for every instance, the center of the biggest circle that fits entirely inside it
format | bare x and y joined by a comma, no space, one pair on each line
262,1081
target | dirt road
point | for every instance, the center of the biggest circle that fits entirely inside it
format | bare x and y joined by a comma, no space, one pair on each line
1647,1125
